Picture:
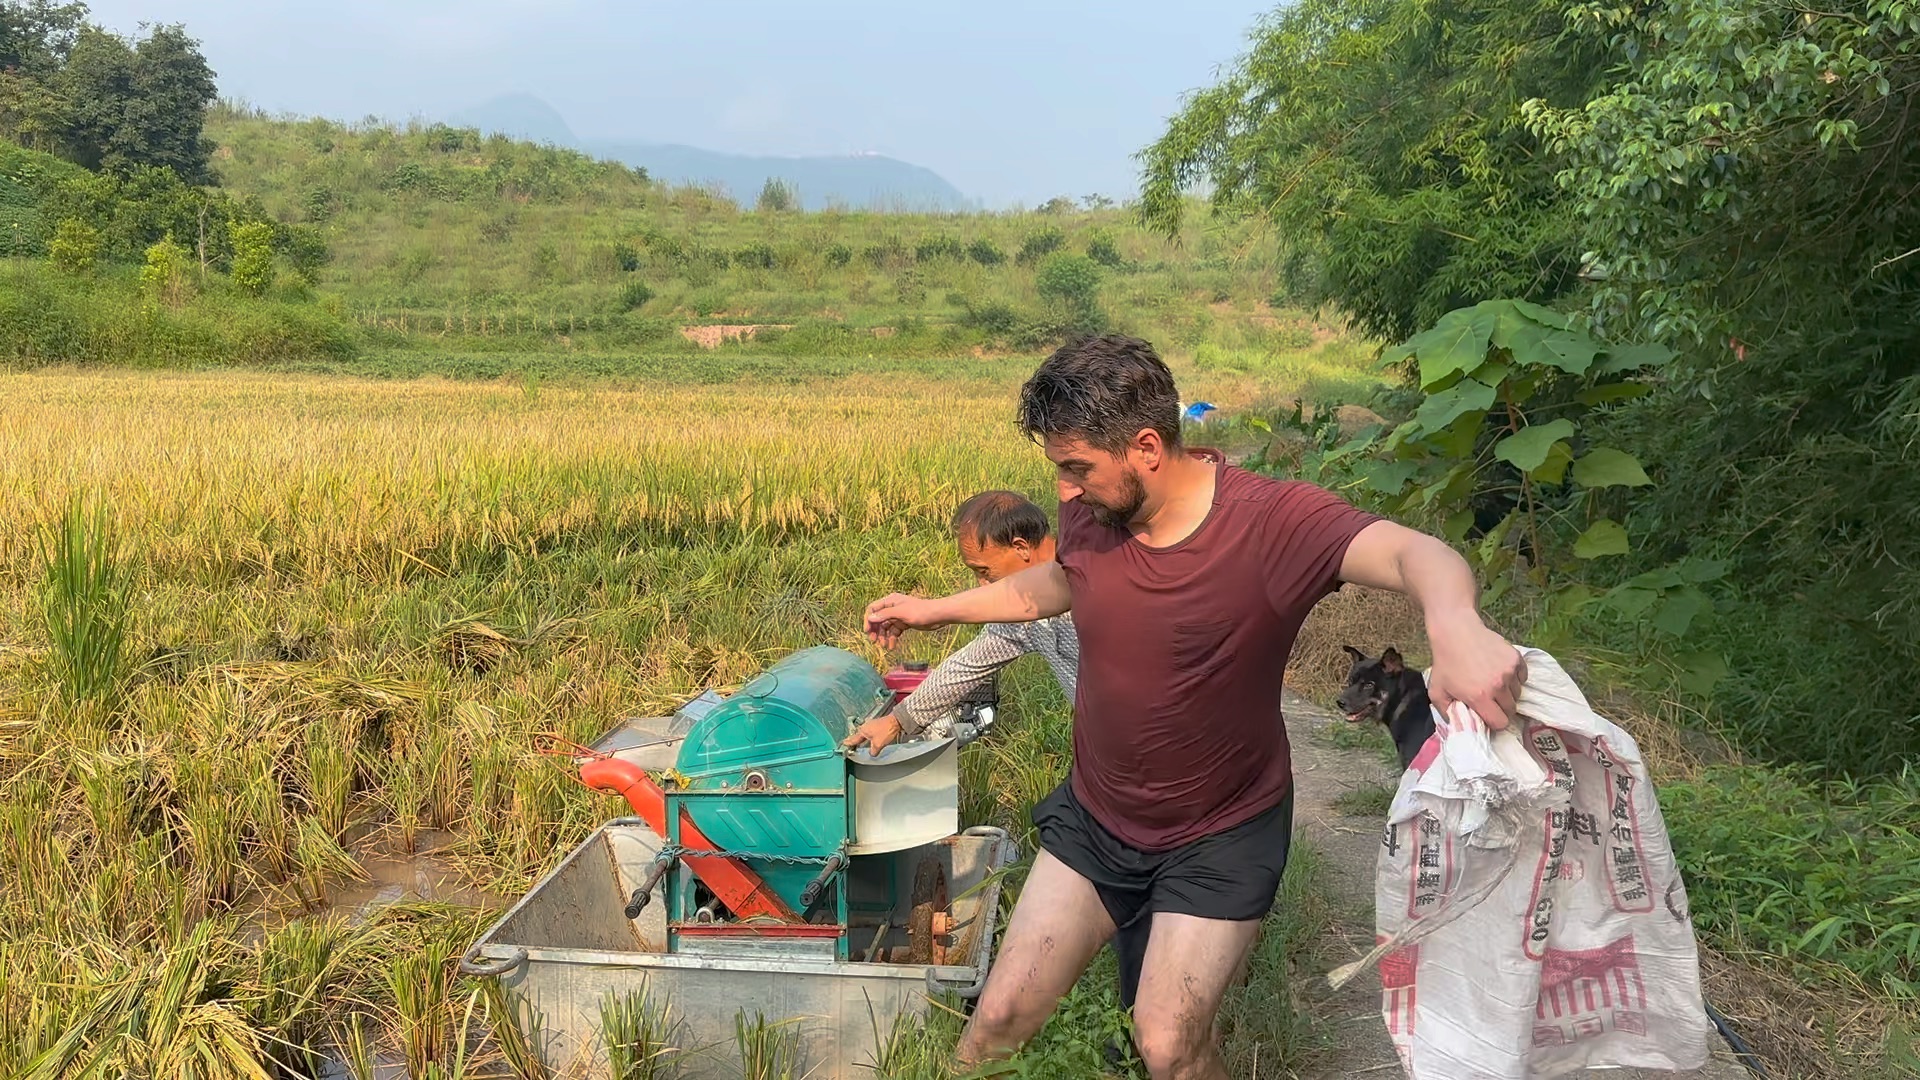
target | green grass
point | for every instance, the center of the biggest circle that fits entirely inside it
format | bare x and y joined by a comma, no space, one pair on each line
1371,801
1371,737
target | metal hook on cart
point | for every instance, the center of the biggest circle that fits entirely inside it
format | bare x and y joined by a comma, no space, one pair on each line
472,964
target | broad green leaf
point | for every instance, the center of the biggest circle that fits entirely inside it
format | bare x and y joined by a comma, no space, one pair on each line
1456,526
1700,571
1259,424
1679,608
1554,469
1459,437
1631,600
1441,409
1538,335
1545,316
1450,488
1658,580
1701,671
1621,358
1607,467
1602,395
1527,449
1569,350
1389,477
1602,538
1408,430
1457,343
1492,372
1569,600
1498,589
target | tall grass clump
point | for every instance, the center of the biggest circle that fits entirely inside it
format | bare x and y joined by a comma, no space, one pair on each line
84,602
768,1051
639,1038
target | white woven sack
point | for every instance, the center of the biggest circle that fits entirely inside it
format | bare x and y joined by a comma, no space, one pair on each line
1529,916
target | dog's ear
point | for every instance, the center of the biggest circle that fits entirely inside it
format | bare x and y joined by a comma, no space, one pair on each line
1390,660
1358,656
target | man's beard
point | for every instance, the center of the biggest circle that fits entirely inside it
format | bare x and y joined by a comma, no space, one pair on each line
1116,517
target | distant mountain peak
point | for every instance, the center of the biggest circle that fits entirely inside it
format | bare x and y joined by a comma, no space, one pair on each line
519,116
864,178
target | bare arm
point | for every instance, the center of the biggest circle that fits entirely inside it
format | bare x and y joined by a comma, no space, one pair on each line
1471,663
1037,592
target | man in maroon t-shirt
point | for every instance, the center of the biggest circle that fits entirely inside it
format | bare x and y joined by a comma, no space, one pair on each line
1188,580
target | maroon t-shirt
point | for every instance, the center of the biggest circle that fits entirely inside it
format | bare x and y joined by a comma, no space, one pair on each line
1177,731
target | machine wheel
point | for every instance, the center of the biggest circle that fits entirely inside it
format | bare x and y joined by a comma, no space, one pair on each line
929,896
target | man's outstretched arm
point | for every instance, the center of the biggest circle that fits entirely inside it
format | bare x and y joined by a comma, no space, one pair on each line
1471,663
1037,592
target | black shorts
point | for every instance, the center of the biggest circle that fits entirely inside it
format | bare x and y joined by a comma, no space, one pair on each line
1231,875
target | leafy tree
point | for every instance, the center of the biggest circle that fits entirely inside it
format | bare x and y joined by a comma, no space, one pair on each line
1387,140
1072,283
75,246
143,103
36,36
252,257
164,276
777,196
1746,185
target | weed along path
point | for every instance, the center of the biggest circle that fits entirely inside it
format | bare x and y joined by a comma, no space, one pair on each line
1342,781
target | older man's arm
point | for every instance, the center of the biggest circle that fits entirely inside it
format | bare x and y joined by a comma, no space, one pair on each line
944,687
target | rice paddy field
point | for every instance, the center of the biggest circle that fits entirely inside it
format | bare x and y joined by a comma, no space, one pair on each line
265,637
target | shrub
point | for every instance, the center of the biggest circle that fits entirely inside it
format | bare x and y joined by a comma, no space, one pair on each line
942,246
756,256
985,252
996,317
910,288
164,276
1041,242
75,246
634,294
305,248
777,196
1101,249
625,257
837,255
252,257
1072,280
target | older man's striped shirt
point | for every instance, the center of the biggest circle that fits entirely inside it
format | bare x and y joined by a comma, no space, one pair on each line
996,646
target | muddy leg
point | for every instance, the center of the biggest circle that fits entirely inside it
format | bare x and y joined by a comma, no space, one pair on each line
1057,925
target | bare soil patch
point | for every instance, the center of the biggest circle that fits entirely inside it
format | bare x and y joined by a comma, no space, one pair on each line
710,337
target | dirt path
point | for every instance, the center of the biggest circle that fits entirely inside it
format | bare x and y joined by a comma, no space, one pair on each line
1323,772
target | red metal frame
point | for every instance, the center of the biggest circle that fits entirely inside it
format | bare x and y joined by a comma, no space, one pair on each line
742,890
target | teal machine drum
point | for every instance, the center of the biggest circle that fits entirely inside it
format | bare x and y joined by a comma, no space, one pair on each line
763,778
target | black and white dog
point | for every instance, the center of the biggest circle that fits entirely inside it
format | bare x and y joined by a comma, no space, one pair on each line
1381,688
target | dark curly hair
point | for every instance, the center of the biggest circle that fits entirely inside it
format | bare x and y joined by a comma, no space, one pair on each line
1103,390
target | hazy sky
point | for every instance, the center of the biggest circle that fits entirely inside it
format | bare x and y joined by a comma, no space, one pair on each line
1008,101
